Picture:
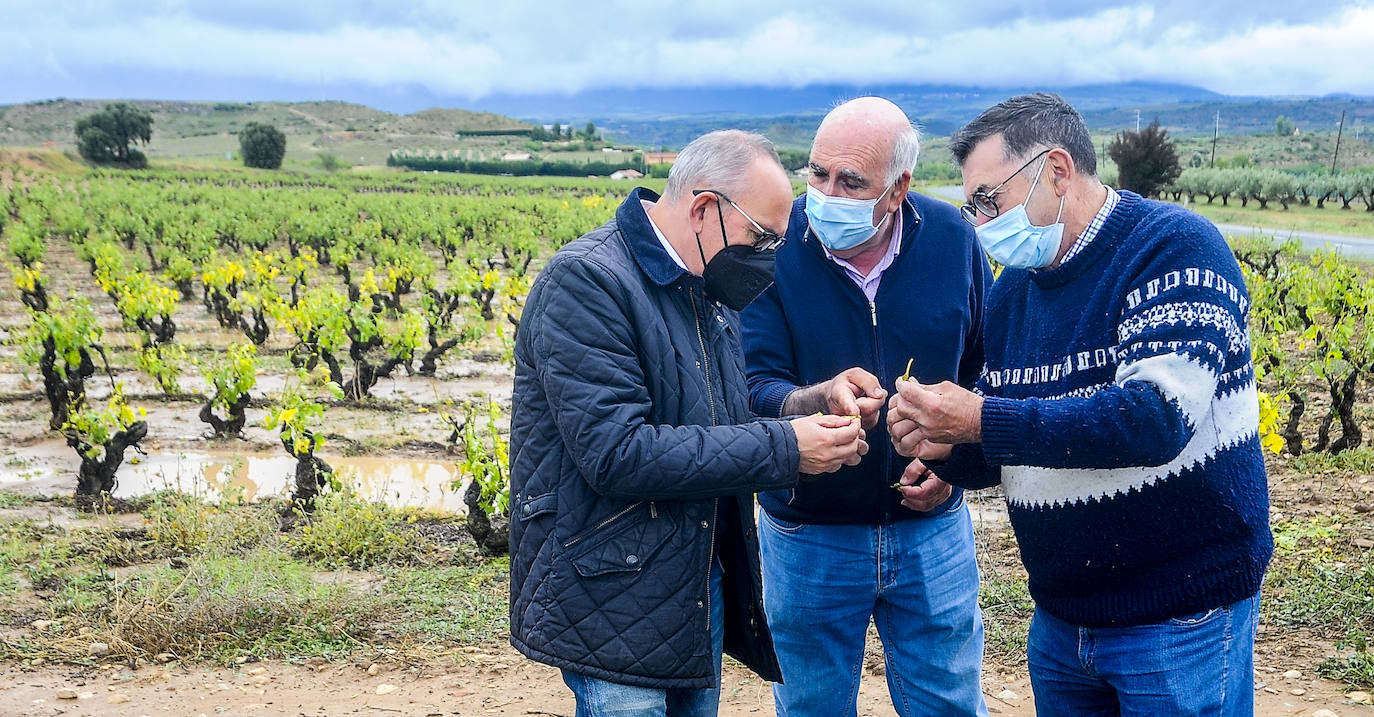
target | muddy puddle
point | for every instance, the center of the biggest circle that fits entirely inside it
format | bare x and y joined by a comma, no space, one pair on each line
400,482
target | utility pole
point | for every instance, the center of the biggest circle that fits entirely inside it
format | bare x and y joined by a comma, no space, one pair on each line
1339,129
1216,130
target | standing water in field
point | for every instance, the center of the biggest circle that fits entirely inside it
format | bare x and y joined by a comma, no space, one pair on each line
397,482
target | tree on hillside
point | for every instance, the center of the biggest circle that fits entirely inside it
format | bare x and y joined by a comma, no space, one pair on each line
589,132
104,137
1146,160
1283,126
262,145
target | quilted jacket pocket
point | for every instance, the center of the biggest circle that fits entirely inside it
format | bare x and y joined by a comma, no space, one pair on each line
624,546
537,505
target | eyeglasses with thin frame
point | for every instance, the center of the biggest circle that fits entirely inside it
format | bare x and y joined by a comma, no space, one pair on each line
984,202
767,241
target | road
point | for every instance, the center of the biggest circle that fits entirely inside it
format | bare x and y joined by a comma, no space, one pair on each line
1358,247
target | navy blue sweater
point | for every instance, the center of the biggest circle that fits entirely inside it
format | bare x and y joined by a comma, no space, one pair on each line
815,322
1121,417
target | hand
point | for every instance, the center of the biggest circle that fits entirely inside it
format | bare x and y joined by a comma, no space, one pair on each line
921,489
919,417
828,442
856,392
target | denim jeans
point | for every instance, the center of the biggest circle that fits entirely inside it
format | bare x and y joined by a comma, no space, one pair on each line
602,698
916,579
1200,664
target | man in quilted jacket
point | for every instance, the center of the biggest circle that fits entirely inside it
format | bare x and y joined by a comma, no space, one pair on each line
634,455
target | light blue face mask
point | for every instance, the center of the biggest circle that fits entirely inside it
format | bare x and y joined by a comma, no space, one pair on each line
840,222
1011,239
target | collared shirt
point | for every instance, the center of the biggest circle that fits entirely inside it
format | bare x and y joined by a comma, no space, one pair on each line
869,283
1093,226
661,238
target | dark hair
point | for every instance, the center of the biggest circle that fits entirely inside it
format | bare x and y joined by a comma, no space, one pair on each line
1028,123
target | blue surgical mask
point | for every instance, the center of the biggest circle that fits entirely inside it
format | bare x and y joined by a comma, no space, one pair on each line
1011,239
840,222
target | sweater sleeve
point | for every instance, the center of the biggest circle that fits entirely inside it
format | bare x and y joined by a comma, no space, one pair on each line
1183,313
968,468
770,363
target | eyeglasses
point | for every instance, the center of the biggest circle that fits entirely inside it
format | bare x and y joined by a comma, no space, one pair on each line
767,241
984,203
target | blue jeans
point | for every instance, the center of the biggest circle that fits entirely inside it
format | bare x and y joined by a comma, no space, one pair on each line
602,698
1200,664
916,579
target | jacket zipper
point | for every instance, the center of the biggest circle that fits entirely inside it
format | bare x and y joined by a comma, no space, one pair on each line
878,369
604,523
705,360
710,563
715,504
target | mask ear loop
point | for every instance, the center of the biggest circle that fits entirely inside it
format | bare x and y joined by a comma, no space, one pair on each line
1036,183
720,215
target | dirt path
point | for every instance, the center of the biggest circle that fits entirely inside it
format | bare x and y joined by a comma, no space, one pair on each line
503,684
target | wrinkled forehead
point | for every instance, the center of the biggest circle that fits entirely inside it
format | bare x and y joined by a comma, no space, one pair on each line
852,146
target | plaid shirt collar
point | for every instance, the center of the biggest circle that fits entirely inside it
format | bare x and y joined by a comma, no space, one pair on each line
1093,226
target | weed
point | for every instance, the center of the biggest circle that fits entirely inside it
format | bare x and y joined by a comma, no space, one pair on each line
1314,584
1007,610
1356,460
259,603
346,531
185,524
465,605
11,499
1356,670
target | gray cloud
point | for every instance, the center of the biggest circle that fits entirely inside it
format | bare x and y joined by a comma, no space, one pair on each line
470,50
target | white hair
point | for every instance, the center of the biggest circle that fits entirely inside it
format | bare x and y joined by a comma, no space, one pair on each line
906,147
717,160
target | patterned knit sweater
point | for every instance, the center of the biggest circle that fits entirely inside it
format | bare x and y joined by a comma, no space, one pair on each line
1121,418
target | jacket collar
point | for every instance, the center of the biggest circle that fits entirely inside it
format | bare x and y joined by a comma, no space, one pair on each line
644,246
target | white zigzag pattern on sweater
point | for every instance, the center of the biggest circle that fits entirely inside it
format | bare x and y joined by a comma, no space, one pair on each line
1228,419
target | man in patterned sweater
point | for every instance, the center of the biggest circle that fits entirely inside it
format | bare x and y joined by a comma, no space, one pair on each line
1118,411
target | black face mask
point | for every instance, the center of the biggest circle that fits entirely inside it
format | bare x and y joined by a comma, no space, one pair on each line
738,273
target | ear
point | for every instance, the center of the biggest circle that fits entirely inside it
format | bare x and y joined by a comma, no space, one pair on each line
1062,170
698,210
903,185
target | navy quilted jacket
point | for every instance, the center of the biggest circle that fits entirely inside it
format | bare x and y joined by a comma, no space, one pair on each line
634,456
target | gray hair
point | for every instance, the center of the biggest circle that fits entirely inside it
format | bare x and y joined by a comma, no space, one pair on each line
1030,123
717,160
906,147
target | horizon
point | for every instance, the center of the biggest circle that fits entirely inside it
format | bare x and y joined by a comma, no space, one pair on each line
403,58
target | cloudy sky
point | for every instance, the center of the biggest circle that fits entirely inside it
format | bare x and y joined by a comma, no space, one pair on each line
469,49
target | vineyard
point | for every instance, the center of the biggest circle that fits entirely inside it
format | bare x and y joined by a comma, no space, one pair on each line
333,286
314,319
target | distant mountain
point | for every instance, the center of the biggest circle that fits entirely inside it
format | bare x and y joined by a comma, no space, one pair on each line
917,99
659,117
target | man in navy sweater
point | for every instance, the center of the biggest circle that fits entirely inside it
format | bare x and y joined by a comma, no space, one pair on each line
872,277
1118,411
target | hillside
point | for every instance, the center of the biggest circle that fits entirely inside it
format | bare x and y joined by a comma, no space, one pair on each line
36,123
